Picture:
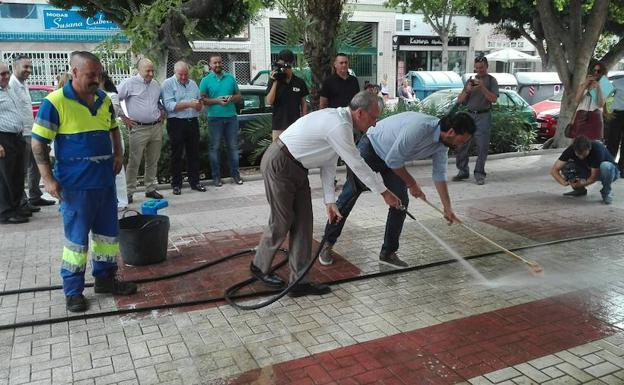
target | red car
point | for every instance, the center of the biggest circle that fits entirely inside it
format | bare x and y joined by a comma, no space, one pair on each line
37,94
547,114
548,104
547,123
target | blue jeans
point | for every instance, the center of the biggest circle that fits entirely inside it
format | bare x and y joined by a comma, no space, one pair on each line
352,190
608,174
228,129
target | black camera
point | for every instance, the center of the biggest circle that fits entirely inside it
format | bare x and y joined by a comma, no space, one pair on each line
569,171
279,69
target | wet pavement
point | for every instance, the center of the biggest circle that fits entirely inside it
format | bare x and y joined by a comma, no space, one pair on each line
436,325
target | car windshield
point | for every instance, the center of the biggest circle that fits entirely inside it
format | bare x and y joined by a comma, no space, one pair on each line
441,100
556,97
37,96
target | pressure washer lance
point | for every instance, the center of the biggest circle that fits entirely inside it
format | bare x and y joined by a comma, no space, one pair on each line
534,267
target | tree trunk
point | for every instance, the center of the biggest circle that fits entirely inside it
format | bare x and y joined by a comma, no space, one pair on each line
319,44
444,36
571,45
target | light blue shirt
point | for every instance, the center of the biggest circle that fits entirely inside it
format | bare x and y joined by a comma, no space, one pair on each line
618,84
174,92
409,136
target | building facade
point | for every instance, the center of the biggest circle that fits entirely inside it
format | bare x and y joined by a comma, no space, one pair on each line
384,45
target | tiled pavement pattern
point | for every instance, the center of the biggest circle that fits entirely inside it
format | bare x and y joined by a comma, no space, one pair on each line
519,205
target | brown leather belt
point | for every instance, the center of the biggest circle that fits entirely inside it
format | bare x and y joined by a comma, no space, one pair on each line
285,150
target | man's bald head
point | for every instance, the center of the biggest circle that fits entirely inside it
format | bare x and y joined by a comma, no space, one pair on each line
146,69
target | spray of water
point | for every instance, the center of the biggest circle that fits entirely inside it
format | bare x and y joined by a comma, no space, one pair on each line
474,272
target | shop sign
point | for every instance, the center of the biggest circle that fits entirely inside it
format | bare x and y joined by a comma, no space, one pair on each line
432,40
58,19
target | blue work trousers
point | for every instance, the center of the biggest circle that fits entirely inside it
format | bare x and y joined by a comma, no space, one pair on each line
86,211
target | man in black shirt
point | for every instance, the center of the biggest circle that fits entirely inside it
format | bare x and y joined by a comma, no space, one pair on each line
582,164
286,92
340,87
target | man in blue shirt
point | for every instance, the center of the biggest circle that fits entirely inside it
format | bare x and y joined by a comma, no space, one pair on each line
386,148
582,164
220,93
180,95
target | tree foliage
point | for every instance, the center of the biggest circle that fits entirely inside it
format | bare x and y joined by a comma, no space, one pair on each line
157,26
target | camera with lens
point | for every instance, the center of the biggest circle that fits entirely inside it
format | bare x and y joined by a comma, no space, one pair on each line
279,70
569,171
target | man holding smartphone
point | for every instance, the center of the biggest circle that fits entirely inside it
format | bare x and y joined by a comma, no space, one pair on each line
478,96
220,93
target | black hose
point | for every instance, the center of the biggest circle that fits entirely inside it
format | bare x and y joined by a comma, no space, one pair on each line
269,292
231,291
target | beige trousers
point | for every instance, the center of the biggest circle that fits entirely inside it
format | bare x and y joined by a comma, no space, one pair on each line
148,140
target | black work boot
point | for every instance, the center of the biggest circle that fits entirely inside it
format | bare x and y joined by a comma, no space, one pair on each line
113,286
76,303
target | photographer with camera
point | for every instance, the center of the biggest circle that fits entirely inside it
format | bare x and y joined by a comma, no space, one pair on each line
582,164
286,92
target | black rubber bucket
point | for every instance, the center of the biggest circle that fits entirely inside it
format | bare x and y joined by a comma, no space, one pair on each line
143,239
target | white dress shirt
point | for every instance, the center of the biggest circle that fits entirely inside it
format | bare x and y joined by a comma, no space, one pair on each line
319,138
25,104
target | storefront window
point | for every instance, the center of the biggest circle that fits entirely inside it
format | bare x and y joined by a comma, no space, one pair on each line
457,62
18,11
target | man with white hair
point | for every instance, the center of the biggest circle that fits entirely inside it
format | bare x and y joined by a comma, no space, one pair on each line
141,94
182,101
313,141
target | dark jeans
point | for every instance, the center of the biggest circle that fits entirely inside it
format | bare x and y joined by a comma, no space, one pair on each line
351,192
11,174
615,137
184,137
226,128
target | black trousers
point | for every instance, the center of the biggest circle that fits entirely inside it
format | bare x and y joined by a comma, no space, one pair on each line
184,139
615,137
11,174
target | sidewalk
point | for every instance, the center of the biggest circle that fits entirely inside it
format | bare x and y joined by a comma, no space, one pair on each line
439,325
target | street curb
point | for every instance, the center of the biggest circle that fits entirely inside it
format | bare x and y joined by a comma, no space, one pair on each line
342,169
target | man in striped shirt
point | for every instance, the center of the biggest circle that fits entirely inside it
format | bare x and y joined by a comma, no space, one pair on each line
11,153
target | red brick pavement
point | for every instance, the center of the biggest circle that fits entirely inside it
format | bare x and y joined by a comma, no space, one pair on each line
455,351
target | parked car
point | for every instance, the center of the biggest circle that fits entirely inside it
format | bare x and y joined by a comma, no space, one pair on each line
252,108
548,104
37,94
547,121
445,100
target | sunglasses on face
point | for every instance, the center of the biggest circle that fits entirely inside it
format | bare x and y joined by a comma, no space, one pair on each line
4,73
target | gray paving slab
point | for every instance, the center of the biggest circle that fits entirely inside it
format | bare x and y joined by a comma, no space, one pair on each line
211,344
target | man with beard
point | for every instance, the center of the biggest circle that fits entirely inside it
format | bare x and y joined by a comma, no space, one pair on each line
80,119
386,148
22,68
220,93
